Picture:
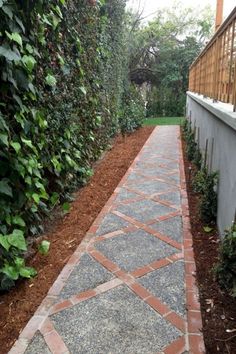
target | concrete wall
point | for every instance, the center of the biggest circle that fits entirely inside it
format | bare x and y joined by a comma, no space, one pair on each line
216,123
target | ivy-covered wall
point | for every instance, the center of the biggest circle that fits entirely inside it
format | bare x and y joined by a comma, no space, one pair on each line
63,80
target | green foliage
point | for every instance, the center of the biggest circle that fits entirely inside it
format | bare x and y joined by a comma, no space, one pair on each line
44,247
62,82
192,150
204,182
225,270
199,181
208,203
161,53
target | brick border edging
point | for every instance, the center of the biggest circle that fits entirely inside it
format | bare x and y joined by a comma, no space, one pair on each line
194,336
42,312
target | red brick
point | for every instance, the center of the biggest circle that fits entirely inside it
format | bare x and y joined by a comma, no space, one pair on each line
192,300
177,321
140,290
194,322
110,265
188,255
46,327
190,268
109,285
141,271
190,282
159,264
177,347
188,244
55,343
176,257
31,327
45,305
126,278
157,305
56,287
61,306
83,296
196,344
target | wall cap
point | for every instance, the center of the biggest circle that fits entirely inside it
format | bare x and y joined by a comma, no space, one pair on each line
220,110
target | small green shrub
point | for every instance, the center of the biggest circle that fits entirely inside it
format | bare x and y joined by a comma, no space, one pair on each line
197,158
204,183
225,270
208,203
199,180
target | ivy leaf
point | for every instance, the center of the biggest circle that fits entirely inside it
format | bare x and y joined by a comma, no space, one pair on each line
51,80
44,247
3,124
28,272
19,262
4,139
36,198
17,240
5,188
4,242
10,271
54,198
83,89
29,62
1,3
20,23
16,146
16,37
66,207
27,142
207,229
8,11
8,53
17,220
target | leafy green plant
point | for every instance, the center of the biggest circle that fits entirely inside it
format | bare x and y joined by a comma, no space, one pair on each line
203,182
199,181
44,247
225,270
208,203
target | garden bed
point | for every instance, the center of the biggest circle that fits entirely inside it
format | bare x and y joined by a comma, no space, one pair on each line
218,308
65,234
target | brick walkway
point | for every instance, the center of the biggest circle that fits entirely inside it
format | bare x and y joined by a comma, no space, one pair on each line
130,286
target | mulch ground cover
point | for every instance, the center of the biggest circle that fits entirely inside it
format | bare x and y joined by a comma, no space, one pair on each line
65,234
218,308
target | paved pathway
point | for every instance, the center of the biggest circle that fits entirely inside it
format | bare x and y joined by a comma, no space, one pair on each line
129,287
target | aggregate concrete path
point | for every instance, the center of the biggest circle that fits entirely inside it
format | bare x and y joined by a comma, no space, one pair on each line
129,288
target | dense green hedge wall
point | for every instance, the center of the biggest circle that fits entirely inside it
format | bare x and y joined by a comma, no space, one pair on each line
62,82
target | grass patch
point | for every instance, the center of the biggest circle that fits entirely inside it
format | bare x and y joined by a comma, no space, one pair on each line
163,121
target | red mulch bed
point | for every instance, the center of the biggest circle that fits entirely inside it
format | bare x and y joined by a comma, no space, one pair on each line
17,307
218,308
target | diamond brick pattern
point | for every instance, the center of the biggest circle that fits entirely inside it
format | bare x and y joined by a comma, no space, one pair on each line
128,285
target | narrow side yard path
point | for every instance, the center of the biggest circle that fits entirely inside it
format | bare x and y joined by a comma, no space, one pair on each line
130,285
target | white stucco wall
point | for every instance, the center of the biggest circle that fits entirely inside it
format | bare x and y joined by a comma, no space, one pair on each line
217,123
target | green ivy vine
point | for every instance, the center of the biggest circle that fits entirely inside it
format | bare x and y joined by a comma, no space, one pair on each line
62,85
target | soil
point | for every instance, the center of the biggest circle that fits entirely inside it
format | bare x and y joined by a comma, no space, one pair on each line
65,234
218,308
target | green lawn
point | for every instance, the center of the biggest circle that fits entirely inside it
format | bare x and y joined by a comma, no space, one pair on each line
163,121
